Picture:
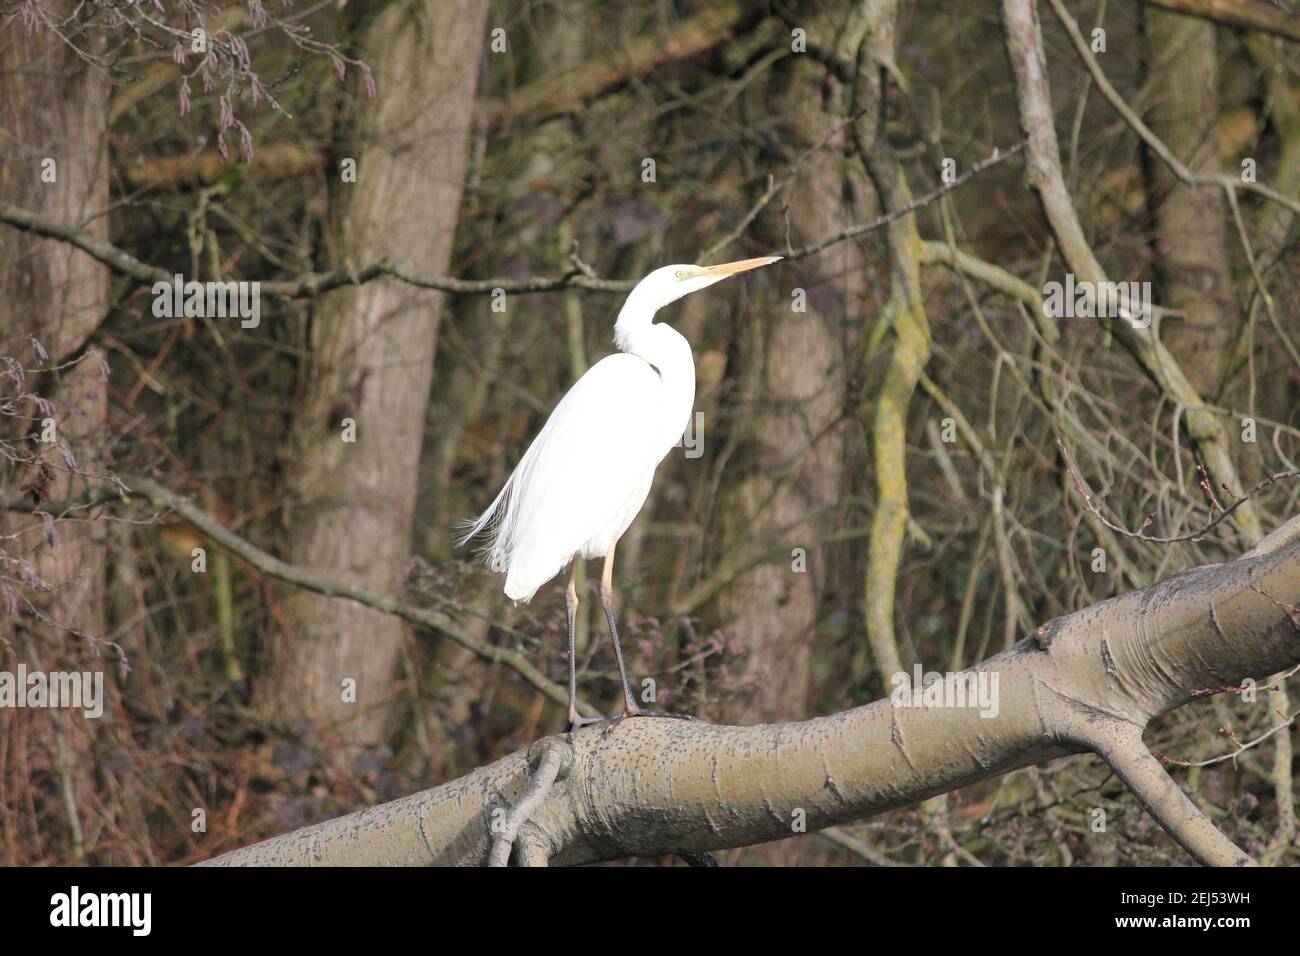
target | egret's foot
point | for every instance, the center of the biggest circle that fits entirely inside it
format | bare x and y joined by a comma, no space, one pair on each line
576,722
638,712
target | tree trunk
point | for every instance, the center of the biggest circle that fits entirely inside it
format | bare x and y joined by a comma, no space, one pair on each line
1190,242
54,106
54,114
351,503
794,394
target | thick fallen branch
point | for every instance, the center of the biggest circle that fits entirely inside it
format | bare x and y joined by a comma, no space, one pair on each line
1091,681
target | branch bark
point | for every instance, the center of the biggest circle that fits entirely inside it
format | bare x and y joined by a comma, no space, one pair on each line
1120,745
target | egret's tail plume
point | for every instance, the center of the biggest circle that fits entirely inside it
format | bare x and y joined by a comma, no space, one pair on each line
523,578
523,537
489,521
467,528
491,524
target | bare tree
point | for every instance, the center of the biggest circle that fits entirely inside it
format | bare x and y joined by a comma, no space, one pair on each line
793,396
53,113
1191,242
352,492
54,156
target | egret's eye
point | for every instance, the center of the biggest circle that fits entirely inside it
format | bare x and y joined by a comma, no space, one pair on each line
681,274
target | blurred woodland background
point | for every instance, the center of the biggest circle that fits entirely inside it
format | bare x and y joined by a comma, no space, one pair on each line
873,479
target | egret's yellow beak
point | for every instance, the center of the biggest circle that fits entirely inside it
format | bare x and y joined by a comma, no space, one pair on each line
741,265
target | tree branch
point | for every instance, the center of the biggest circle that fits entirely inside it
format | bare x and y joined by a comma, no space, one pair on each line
1120,745
556,760
913,342
312,284
1250,14
1176,165
975,267
430,618
1195,535
904,210
650,787
575,88
1024,43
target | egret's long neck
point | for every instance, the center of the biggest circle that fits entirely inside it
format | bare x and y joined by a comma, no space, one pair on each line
634,320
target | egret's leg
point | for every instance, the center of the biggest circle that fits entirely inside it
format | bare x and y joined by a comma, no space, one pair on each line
630,708
607,602
571,604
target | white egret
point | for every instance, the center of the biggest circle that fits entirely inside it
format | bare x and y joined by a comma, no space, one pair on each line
588,472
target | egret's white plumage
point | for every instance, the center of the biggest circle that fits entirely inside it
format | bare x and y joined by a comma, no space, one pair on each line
588,472
586,475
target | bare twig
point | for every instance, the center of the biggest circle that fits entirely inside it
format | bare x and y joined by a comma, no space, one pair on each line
1091,504
309,285
920,202
1176,165
1024,43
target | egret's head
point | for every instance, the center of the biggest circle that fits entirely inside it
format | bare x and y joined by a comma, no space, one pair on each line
667,285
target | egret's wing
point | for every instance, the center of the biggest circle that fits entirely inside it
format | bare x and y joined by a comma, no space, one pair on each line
578,474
